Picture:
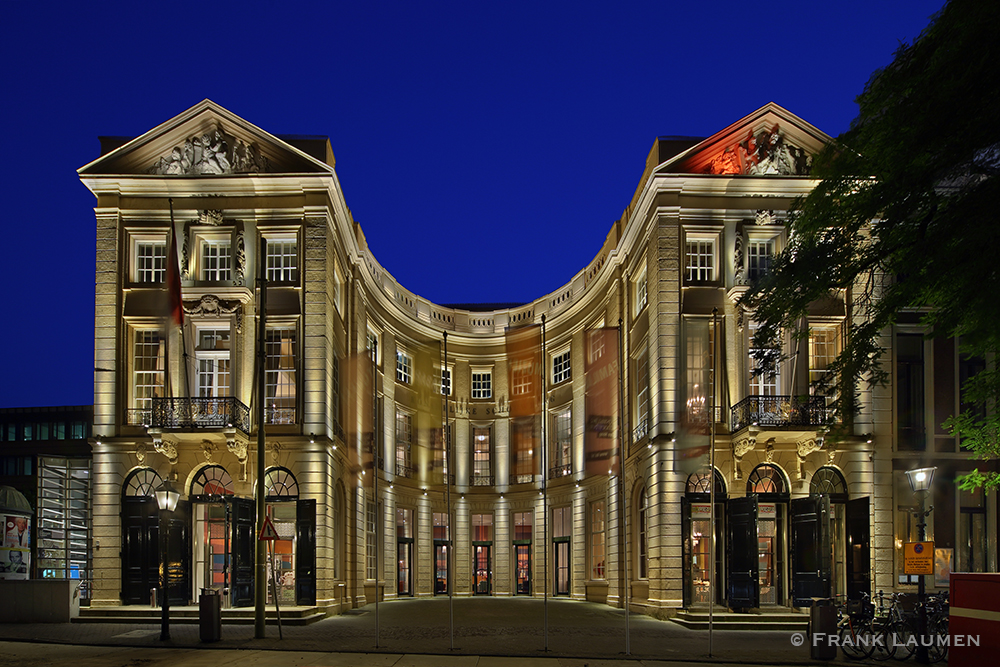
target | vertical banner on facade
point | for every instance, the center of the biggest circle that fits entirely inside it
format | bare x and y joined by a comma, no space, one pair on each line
427,432
601,370
693,436
359,414
524,377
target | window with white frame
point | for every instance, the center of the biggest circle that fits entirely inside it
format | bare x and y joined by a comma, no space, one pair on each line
561,366
641,292
443,380
371,344
597,555
147,372
482,383
404,444
823,349
699,262
371,555
212,358
150,260
280,374
282,259
216,259
759,255
562,450
522,377
482,451
641,396
404,367
765,369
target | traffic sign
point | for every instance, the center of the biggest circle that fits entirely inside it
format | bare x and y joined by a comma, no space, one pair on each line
268,533
918,558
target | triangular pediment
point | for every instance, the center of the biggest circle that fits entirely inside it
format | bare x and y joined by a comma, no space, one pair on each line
207,140
770,141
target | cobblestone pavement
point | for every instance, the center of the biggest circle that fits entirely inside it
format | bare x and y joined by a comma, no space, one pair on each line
578,633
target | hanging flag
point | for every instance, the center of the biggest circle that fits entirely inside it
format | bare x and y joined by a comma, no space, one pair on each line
175,307
601,454
359,414
693,437
428,443
524,381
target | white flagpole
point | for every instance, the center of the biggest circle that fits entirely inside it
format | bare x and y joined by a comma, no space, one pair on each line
711,482
545,497
622,509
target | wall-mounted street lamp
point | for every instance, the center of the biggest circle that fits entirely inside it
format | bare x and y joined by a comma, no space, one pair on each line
920,483
166,499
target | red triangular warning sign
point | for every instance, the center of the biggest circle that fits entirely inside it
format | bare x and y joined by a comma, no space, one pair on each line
267,531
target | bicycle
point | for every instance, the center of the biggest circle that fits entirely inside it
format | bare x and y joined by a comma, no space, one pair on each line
854,628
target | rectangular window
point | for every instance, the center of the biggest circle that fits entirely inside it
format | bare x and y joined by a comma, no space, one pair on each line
482,384
64,526
441,526
698,369
371,557
561,367
562,522
523,526
641,396
823,349
404,522
597,556
371,345
522,375
443,380
482,449
216,260
641,293
522,451
212,356
282,260
700,260
404,444
482,527
147,374
150,261
763,381
910,409
404,367
279,375
562,461
759,255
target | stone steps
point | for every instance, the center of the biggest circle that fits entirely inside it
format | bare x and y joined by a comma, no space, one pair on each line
778,621
191,615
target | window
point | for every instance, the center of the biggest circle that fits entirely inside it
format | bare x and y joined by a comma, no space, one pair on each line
64,526
764,381
641,292
404,367
441,526
641,553
443,381
523,526
597,555
482,527
641,396
522,450
562,462
371,345
698,373
522,376
282,260
216,259
371,556
910,413
561,367
700,260
279,372
212,480
482,469
482,384
759,255
823,349
212,356
404,444
147,374
150,261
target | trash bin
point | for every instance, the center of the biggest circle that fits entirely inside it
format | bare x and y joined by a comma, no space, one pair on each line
210,615
823,622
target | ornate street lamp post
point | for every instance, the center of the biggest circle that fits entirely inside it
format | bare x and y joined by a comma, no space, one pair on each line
920,483
166,499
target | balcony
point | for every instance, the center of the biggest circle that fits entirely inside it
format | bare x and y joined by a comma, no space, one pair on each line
199,413
556,472
481,480
275,416
522,478
779,412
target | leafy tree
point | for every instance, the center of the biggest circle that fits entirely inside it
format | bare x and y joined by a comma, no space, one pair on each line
906,218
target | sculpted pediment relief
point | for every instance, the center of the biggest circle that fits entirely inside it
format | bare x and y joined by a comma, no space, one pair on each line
761,153
212,152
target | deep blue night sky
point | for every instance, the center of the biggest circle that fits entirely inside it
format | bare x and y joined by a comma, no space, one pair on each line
485,148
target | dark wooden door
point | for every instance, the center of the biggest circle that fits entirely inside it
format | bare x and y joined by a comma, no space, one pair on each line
809,522
859,572
743,588
686,550
305,552
244,551
140,549
177,525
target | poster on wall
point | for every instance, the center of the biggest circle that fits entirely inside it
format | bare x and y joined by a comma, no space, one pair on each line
15,552
943,559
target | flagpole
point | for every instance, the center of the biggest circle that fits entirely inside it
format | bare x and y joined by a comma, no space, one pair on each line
447,492
260,580
545,496
622,509
711,482
169,280
378,528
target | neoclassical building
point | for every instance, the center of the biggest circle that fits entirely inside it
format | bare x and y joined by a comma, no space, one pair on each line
348,355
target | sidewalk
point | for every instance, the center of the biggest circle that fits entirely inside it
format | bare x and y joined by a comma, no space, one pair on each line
488,632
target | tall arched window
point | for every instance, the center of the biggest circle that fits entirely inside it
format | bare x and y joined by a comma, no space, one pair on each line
141,483
697,483
830,482
280,484
212,480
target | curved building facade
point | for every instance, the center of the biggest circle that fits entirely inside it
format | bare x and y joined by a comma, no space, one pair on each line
416,449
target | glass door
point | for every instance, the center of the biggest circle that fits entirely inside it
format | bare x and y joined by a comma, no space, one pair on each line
404,569
562,567
481,578
522,568
211,547
440,569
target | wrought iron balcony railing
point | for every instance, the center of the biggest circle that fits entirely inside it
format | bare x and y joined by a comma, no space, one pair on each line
522,478
560,471
482,480
274,416
403,470
640,431
138,416
200,413
778,411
